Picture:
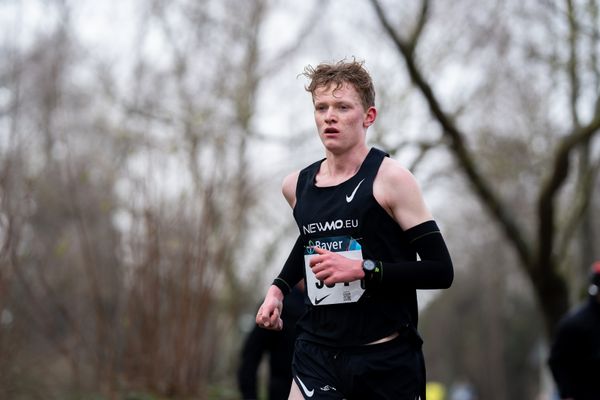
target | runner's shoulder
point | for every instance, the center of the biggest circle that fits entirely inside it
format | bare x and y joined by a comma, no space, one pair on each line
392,172
288,187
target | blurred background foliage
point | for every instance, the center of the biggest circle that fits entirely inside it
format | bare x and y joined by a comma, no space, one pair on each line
142,145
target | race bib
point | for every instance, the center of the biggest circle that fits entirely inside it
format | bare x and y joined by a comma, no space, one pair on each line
321,294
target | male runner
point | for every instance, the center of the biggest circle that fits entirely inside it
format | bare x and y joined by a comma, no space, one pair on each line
362,222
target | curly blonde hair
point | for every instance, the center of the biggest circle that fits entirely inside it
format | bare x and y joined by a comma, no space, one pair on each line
352,72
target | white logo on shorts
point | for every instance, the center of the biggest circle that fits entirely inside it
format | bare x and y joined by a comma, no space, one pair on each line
308,393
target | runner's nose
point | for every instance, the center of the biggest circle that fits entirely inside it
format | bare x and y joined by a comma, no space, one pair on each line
330,116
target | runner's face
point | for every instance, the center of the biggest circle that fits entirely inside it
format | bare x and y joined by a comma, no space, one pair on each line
340,117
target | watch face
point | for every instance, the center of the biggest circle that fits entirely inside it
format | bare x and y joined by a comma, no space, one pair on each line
369,265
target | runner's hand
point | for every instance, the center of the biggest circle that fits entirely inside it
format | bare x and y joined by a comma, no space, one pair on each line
331,267
269,313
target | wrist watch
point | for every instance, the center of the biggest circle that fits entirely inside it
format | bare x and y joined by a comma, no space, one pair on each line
368,267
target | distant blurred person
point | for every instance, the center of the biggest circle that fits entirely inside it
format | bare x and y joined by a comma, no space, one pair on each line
278,345
575,353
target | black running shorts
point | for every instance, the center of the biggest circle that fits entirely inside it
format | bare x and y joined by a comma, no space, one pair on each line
391,370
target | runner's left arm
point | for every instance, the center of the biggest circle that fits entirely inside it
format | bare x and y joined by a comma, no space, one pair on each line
401,196
433,271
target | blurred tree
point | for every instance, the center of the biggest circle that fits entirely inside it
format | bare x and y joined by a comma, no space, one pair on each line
498,79
61,272
134,229
542,75
485,330
128,206
200,254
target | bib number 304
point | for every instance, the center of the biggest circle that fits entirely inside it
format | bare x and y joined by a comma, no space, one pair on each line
339,293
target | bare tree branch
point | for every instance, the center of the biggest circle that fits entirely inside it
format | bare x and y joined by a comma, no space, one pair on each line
593,50
424,148
318,11
573,62
421,22
549,189
582,200
493,203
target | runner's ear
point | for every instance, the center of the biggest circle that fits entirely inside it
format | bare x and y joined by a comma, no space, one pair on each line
370,117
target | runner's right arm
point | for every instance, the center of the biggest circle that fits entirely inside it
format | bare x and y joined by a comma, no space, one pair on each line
269,313
292,271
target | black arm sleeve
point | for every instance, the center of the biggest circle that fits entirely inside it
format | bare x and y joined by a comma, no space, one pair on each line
433,271
292,271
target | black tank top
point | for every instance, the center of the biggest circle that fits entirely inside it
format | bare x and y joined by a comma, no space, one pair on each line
349,209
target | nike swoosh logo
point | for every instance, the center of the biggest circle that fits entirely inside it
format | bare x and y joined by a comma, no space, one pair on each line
308,393
317,300
351,197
